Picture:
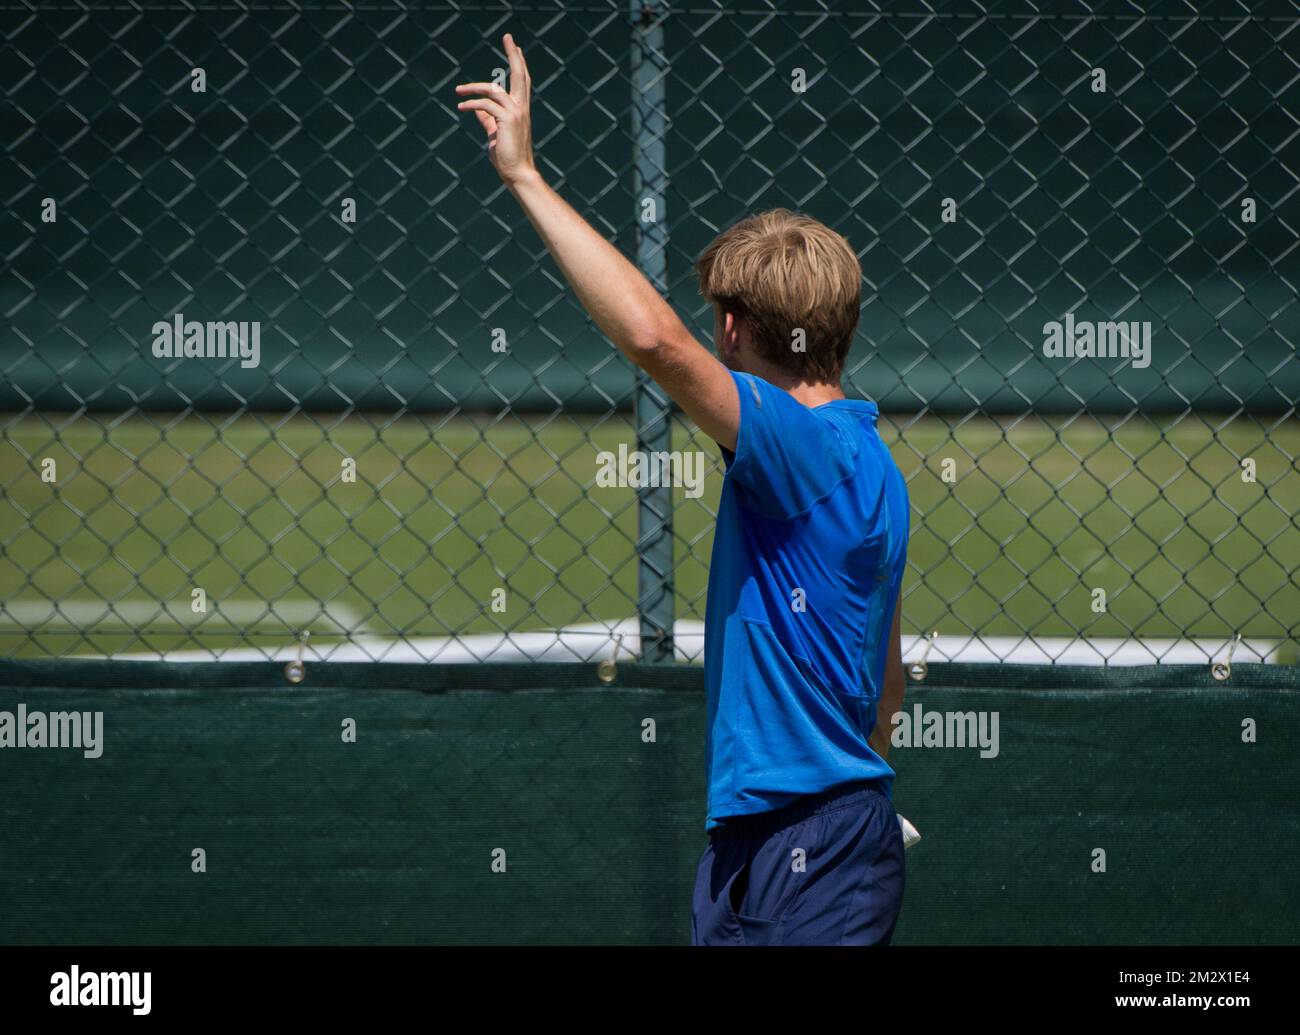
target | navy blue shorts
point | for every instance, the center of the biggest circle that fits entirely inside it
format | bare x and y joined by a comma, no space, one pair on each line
826,869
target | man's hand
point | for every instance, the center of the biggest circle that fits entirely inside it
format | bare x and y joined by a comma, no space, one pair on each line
506,117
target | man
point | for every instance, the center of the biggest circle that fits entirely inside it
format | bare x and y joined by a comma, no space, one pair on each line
802,653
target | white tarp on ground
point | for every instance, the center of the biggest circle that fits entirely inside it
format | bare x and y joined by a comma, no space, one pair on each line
595,641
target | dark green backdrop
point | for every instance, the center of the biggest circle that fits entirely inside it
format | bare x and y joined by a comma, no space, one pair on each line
1122,205
390,839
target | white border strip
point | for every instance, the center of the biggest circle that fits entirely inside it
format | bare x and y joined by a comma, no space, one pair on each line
596,641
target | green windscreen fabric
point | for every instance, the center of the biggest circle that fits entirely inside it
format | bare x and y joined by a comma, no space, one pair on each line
227,205
534,804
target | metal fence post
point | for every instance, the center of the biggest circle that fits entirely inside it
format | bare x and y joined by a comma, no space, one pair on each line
652,408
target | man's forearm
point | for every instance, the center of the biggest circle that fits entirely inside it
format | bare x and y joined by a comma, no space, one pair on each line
895,687
624,305
889,705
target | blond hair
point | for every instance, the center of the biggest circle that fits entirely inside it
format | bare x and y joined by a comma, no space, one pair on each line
780,272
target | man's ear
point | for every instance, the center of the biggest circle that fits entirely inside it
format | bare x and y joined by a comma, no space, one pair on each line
730,334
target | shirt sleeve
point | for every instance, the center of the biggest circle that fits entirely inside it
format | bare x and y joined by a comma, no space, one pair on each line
787,456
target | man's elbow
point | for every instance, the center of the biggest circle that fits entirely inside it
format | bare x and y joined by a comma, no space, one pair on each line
654,347
650,350
644,349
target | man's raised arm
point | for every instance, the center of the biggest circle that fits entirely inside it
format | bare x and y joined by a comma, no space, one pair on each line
623,304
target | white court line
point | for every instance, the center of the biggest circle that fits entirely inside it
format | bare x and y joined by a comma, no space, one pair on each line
50,616
1096,650
595,641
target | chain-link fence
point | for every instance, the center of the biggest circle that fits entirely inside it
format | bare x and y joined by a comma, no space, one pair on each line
408,467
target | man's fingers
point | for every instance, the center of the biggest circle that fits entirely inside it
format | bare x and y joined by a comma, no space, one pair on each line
493,100
487,90
485,104
486,121
518,71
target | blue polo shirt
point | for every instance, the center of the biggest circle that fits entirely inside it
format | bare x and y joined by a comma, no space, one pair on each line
808,558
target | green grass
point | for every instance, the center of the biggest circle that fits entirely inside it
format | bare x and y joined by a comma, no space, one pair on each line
444,510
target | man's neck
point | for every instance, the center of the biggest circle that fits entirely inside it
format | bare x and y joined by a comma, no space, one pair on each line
810,393
815,393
